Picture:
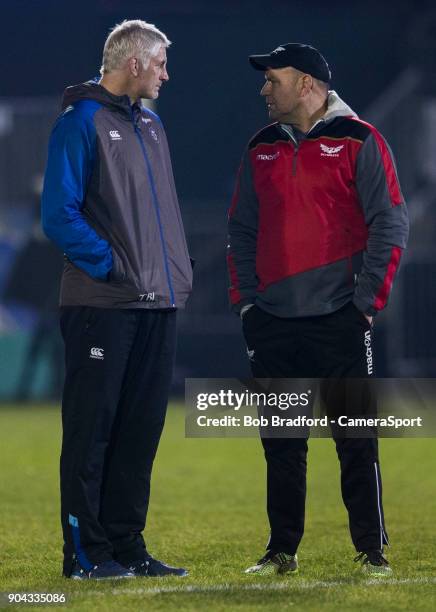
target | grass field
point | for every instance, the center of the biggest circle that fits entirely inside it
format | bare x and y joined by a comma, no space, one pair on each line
207,513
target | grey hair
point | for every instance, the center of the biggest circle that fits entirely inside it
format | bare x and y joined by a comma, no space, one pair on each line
129,39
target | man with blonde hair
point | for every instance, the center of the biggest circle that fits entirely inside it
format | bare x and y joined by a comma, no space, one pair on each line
110,204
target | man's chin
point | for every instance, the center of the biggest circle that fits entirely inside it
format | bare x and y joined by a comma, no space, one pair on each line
150,95
272,115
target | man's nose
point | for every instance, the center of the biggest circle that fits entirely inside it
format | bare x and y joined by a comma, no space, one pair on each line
264,90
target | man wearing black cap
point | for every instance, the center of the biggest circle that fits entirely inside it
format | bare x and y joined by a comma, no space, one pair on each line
317,227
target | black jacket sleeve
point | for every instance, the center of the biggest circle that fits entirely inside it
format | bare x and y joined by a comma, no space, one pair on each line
241,250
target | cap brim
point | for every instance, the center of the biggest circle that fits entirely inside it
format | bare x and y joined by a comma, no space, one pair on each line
261,62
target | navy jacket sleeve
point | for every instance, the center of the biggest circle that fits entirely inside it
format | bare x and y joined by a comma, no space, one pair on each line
71,156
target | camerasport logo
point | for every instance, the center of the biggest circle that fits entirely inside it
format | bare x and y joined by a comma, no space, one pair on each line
96,353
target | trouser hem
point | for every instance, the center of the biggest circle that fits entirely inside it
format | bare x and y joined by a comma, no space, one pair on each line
68,564
284,548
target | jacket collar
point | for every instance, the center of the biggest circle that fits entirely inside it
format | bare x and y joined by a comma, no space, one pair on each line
92,90
336,107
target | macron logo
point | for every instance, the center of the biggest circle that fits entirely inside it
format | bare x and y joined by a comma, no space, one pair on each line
270,157
115,135
96,353
367,343
330,151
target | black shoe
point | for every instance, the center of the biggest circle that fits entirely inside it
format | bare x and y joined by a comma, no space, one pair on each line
148,566
106,570
275,563
373,563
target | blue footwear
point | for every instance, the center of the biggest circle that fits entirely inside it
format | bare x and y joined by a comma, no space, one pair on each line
106,570
148,566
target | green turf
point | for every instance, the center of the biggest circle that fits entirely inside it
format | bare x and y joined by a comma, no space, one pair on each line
207,513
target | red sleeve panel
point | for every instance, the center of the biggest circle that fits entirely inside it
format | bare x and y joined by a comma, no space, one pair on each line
383,294
386,217
388,165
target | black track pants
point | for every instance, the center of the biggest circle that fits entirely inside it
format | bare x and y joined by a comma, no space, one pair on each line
330,346
118,373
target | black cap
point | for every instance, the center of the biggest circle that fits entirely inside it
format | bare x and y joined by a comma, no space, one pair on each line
302,57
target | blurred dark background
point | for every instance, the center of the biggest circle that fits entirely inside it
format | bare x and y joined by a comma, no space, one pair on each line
383,59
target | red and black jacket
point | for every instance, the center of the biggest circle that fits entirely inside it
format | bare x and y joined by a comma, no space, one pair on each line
318,222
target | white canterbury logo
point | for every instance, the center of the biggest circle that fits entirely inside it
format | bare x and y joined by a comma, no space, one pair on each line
330,151
96,353
115,135
271,157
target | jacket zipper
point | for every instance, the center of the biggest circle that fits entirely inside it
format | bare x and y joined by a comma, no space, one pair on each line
156,208
296,147
294,160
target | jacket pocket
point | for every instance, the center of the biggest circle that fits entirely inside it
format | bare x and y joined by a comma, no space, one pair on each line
118,272
361,316
255,319
90,318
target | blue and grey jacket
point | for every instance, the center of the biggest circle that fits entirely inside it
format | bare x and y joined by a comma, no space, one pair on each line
109,202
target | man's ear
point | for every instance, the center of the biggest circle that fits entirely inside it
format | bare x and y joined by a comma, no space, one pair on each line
307,85
133,64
